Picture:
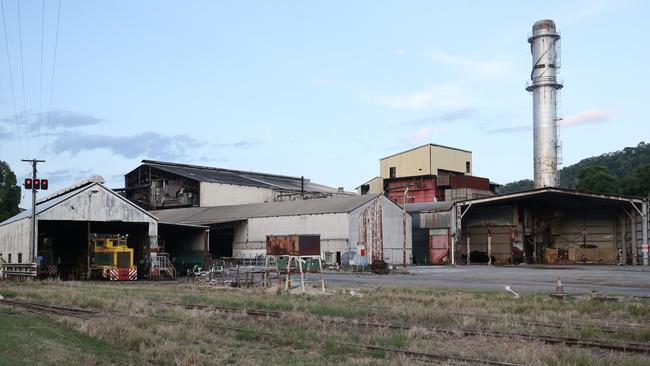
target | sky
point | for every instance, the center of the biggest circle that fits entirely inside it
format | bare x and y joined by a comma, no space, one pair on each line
305,88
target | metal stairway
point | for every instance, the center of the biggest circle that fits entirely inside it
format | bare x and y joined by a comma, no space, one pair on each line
163,265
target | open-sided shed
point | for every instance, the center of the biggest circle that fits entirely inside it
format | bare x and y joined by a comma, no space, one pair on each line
553,225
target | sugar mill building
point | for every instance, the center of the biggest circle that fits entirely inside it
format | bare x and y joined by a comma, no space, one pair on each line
342,223
156,185
428,173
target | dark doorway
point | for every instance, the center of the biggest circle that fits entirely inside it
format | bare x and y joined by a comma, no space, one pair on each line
65,244
185,245
221,241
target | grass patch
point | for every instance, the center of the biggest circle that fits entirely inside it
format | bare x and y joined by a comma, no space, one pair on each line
36,340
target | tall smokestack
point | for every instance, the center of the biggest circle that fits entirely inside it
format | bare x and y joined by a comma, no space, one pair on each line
544,46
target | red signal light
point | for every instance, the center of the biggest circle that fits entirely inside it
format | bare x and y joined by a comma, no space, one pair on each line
44,184
28,183
37,184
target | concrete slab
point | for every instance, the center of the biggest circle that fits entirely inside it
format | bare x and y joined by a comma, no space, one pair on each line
612,280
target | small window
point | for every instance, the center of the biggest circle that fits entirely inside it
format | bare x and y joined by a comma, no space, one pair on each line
392,172
468,167
9,258
99,243
20,257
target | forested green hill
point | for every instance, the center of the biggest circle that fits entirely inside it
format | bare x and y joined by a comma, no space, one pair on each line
621,172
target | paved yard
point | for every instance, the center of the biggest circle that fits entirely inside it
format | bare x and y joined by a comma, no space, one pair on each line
539,279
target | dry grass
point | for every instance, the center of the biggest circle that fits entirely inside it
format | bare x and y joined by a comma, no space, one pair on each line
177,336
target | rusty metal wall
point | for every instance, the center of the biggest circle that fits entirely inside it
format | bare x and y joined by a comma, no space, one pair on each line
293,245
434,220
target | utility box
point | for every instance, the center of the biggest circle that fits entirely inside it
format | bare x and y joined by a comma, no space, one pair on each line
298,245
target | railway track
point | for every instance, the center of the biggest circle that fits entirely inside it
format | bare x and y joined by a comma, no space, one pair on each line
630,347
626,325
52,310
416,355
43,309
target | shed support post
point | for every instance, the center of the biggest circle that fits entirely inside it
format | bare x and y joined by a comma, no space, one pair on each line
468,260
456,234
489,242
453,246
635,244
644,234
621,230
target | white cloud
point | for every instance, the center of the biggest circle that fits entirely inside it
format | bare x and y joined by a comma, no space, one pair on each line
422,135
399,52
437,96
586,117
480,68
582,118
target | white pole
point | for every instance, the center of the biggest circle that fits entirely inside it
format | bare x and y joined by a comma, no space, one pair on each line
489,248
468,260
453,245
644,225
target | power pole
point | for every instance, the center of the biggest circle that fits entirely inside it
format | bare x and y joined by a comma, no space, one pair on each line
33,239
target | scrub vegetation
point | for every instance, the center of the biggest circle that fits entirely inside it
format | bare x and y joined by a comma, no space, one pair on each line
136,325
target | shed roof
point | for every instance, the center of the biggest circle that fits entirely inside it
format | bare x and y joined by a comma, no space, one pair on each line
429,206
557,196
425,145
219,214
238,177
64,195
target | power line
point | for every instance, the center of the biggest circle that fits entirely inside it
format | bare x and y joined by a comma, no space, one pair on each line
11,78
22,76
56,43
40,85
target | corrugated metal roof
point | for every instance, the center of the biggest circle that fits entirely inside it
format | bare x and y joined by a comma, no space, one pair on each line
212,215
429,206
227,176
73,187
425,145
71,191
553,193
40,207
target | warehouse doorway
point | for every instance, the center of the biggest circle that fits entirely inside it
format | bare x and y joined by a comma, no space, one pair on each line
222,238
221,242
186,245
64,244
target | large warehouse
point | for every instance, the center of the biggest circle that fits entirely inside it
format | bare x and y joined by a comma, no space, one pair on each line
241,230
156,185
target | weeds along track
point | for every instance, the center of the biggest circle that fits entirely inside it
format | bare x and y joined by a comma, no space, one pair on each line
625,326
83,314
630,347
428,357
43,309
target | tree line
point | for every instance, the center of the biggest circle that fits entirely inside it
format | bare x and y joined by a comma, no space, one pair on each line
624,172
